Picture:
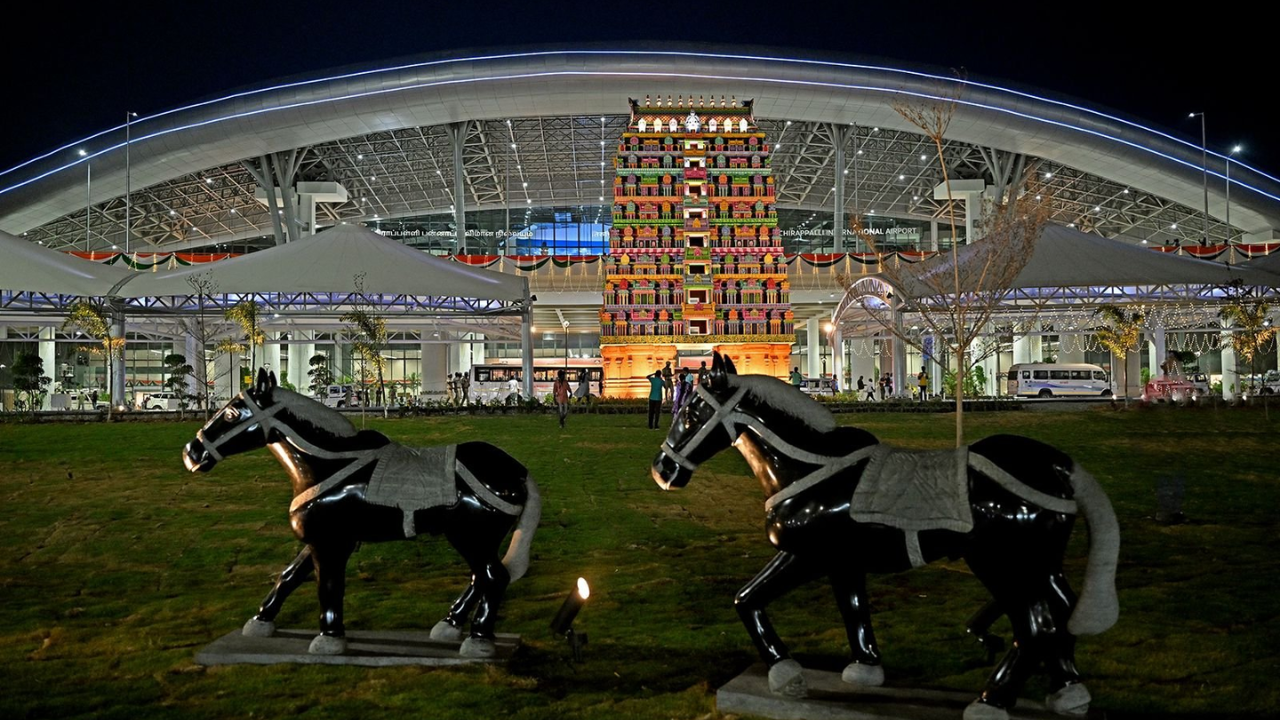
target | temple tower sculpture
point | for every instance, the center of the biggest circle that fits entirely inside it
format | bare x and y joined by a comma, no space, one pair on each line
695,261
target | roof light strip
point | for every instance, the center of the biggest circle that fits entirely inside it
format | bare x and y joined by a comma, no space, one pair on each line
593,73
671,53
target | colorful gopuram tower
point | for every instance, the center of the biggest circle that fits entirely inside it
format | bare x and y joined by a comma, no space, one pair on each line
695,261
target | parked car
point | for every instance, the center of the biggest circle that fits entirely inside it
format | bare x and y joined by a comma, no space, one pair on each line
160,401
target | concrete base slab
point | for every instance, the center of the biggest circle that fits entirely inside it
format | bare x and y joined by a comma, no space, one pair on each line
830,698
369,648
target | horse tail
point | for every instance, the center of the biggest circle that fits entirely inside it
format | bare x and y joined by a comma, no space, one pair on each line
1098,607
517,558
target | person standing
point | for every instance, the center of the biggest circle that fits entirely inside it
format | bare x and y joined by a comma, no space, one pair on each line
667,386
656,388
702,373
560,391
466,388
870,390
681,395
922,380
796,378
513,390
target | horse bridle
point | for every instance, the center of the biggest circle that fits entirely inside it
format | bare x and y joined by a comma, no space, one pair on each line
256,415
724,416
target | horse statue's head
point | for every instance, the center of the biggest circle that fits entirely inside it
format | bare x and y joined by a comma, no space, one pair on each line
726,405
241,425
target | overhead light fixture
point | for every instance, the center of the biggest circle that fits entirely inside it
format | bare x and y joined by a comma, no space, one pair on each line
562,623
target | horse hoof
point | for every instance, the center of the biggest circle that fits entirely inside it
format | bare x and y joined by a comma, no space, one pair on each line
446,632
1072,700
786,678
979,710
258,628
474,647
863,674
328,645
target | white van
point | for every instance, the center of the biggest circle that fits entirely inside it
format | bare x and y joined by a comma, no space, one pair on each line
337,396
1047,380
160,401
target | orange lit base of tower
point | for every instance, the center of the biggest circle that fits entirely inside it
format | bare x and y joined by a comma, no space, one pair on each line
626,367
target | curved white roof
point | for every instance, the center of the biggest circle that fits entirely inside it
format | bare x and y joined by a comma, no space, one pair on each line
584,82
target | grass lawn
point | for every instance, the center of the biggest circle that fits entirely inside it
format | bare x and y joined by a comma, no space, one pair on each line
116,566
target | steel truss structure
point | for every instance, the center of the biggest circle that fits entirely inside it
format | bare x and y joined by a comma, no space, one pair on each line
522,164
1026,311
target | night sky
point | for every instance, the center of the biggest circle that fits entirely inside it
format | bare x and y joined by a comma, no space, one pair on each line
70,72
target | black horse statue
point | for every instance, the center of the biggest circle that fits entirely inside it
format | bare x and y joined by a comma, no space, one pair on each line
841,504
354,486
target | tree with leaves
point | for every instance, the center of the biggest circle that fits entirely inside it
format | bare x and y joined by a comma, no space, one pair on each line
1248,316
179,370
368,333
321,374
1120,334
93,318
247,314
28,377
956,295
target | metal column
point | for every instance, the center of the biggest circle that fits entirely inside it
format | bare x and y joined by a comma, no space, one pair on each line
458,135
839,134
48,351
526,348
814,345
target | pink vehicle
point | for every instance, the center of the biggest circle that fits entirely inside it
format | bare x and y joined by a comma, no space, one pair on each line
1173,386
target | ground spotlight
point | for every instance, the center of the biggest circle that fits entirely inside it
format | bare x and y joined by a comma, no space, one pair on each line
562,623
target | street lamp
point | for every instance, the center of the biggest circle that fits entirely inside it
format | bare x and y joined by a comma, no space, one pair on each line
1231,154
128,120
1204,163
88,197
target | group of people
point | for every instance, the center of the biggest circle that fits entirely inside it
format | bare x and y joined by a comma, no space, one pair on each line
561,393
884,386
667,385
458,388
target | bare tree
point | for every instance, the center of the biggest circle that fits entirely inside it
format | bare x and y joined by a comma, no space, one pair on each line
207,332
957,295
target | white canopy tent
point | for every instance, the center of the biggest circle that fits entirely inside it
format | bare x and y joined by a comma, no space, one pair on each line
1065,257
332,267
1267,263
29,268
330,262
1068,275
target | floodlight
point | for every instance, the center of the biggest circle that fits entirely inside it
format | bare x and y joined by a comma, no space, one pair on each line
562,623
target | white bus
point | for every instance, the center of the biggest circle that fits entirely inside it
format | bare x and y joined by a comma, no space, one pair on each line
492,381
1046,380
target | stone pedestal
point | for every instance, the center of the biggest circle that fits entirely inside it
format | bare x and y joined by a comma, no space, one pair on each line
368,648
830,698
626,367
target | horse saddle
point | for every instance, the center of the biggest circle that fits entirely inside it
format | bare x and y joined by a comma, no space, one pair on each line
413,479
914,490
